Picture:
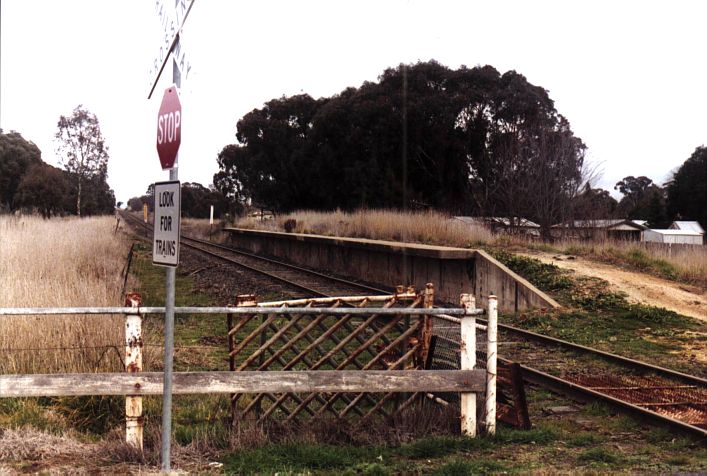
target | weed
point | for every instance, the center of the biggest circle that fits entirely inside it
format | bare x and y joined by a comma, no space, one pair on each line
540,435
296,457
96,413
584,439
598,455
547,277
625,424
596,408
459,467
368,469
434,447
660,435
24,412
677,461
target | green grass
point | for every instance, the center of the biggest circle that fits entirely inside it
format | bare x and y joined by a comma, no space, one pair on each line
200,344
299,457
594,314
545,276
460,467
584,439
598,455
640,260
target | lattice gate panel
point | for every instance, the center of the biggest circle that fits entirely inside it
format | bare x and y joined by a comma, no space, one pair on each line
367,341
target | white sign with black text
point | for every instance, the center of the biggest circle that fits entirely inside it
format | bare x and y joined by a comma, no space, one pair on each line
165,244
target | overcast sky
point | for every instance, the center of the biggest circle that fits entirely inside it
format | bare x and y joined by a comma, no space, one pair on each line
631,77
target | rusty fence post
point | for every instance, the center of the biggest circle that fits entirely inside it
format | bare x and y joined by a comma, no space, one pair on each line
134,420
428,303
468,362
491,364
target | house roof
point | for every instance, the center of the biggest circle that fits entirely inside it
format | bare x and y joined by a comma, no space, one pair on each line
677,232
604,223
687,226
505,221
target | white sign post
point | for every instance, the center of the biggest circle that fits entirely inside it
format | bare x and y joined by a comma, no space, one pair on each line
165,244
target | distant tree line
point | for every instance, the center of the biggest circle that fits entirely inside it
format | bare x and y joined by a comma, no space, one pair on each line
196,201
28,183
682,197
468,141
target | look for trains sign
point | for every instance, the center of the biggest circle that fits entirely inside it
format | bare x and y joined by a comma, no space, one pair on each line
169,128
165,246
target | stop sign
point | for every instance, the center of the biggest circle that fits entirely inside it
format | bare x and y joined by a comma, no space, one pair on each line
169,128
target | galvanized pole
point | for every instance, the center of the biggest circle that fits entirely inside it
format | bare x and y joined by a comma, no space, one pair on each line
169,329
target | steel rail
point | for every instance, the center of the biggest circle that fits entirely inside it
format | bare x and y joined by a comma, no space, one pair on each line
538,377
580,392
529,334
268,260
288,265
259,271
637,364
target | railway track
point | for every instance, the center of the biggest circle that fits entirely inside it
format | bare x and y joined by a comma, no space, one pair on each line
581,372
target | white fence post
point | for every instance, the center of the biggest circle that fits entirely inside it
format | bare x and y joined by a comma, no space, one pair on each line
491,364
133,363
468,362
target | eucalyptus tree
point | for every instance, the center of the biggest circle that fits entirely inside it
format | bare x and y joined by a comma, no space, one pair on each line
82,149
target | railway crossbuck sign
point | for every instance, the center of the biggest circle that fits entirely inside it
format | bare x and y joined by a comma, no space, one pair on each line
169,128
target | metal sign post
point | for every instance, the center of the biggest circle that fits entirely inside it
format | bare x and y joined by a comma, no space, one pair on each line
169,121
168,357
166,238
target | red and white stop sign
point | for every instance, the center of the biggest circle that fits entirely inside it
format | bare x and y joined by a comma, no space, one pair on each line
169,128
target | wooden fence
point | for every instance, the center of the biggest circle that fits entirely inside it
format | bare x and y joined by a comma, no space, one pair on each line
341,383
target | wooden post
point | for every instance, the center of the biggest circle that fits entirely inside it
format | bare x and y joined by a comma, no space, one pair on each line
491,363
134,420
468,362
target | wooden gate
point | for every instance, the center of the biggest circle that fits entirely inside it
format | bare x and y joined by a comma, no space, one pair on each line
359,340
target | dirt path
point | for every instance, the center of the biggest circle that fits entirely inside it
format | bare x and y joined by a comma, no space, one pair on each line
640,288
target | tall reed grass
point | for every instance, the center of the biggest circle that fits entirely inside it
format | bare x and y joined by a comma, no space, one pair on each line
686,263
60,263
417,227
681,263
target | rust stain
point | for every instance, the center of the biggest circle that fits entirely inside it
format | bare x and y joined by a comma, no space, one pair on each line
679,402
133,299
134,341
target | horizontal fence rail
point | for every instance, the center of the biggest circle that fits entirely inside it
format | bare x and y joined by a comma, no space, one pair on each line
151,383
47,311
412,344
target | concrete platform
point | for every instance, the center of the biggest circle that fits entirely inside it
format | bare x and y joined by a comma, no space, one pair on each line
452,270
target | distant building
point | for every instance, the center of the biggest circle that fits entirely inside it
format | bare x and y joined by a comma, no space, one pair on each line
517,226
617,229
687,226
685,237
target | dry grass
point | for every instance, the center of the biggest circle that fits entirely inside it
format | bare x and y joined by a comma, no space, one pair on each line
416,227
60,263
200,228
685,263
